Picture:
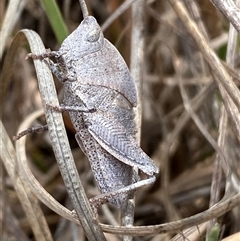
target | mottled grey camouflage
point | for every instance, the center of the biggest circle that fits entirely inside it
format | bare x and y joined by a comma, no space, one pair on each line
100,96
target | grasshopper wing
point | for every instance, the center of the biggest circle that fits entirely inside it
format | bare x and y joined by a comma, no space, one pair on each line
112,136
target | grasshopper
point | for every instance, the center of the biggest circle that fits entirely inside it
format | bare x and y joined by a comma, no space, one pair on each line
100,95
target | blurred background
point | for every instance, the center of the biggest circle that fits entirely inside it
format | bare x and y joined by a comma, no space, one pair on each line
168,134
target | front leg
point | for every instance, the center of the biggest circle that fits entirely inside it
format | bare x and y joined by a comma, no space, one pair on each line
48,54
59,69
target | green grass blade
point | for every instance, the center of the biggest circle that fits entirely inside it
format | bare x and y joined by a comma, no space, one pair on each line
55,18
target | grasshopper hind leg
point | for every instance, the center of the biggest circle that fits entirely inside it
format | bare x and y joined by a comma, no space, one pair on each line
101,199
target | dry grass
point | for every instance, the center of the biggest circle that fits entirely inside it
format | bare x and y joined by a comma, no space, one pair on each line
190,123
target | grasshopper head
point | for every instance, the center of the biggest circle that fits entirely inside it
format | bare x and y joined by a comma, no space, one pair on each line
86,39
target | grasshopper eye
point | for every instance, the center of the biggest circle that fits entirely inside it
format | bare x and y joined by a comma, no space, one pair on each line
93,35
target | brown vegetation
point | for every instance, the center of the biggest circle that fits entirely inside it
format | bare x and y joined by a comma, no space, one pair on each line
190,122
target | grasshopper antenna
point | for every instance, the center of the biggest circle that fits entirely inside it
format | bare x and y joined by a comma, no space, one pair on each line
84,8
